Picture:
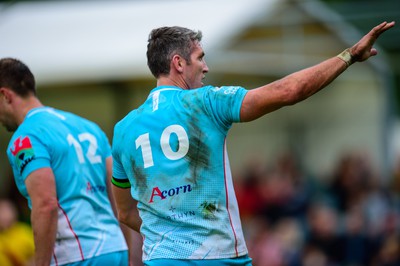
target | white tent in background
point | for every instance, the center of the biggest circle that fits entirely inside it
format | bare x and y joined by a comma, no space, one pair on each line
86,40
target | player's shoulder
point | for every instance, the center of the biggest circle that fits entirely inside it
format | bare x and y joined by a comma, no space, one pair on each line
22,140
78,119
126,120
198,92
219,89
227,89
53,120
29,127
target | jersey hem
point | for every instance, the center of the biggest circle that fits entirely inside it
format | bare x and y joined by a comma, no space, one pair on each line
199,257
74,260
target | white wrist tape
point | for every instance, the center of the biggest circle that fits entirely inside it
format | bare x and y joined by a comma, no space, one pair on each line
346,57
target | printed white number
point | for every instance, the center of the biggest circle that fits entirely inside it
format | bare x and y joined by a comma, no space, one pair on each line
183,141
91,151
143,141
78,148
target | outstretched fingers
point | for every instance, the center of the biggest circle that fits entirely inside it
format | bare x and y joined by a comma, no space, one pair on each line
381,28
362,50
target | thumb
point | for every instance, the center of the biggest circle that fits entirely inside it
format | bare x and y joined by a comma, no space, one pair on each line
373,52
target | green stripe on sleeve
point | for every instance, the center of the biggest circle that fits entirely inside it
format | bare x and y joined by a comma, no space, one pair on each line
121,183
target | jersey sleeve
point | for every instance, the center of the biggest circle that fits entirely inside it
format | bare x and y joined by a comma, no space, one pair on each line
224,104
119,176
26,154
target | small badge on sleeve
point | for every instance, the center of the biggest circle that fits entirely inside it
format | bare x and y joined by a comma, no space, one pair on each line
23,152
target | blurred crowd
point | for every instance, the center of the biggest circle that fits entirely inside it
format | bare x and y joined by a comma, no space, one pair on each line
290,218
16,237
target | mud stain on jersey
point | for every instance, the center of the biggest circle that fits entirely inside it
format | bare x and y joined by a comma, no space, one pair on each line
140,178
199,152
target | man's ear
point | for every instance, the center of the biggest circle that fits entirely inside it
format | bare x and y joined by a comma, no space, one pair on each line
177,62
6,94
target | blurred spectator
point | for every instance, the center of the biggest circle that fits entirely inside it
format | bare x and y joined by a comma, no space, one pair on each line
286,190
389,252
290,234
323,233
350,179
263,245
16,238
356,245
275,245
313,256
247,189
387,241
378,204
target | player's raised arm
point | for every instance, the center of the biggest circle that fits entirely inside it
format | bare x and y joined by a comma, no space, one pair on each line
304,83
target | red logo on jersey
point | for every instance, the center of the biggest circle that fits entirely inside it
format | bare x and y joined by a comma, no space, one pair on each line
23,152
156,192
21,144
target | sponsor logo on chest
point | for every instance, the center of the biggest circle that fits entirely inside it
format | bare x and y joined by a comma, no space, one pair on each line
157,193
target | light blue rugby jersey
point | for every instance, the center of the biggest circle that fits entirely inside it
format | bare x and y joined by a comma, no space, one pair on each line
172,150
76,150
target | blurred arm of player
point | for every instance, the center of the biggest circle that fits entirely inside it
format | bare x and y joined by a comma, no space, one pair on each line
302,84
127,208
42,191
133,238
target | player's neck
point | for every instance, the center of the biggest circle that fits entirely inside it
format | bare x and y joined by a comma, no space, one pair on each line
25,106
168,81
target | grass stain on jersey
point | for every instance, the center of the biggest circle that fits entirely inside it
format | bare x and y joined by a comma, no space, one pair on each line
208,210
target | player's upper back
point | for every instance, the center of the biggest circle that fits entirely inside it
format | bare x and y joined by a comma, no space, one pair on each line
65,142
174,129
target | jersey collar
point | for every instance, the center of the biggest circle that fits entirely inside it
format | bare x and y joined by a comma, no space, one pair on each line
163,88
